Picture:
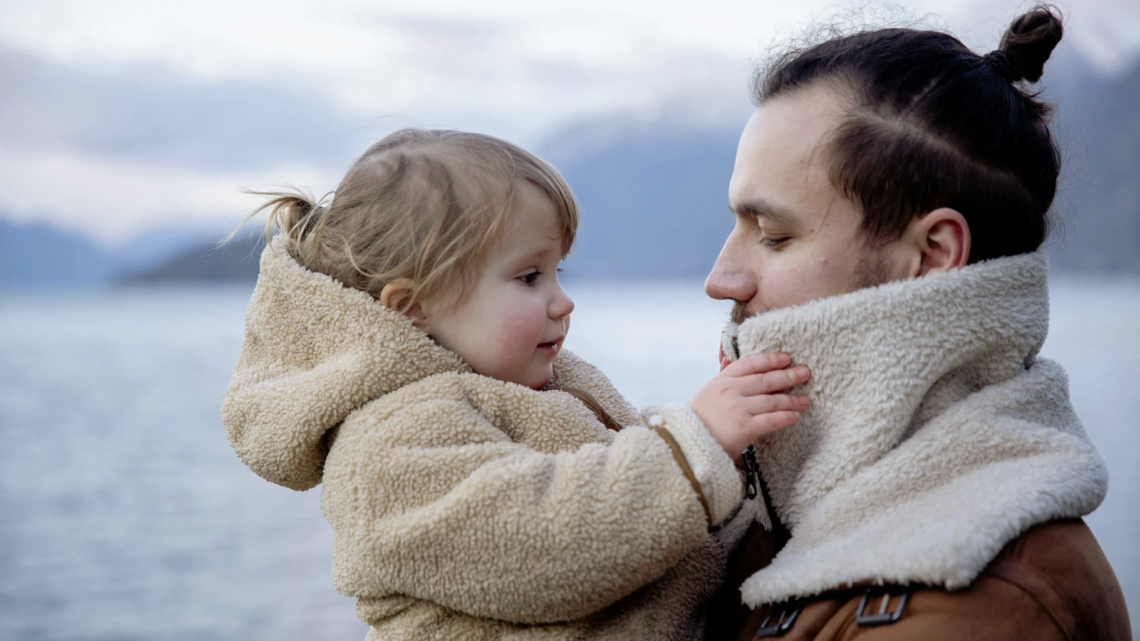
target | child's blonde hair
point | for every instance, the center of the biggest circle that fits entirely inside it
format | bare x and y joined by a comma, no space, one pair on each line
422,204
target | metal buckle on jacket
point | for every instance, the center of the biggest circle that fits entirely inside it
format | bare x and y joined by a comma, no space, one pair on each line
782,624
882,617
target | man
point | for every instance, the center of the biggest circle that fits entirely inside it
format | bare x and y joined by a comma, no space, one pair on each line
891,194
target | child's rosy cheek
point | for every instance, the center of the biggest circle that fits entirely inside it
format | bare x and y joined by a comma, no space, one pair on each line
519,328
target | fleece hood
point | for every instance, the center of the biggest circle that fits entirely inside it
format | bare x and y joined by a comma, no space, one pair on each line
326,348
935,434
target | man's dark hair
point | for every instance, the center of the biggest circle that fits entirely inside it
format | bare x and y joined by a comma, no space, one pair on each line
936,125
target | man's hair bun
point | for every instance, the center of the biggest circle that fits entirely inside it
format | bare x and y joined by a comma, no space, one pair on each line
1027,45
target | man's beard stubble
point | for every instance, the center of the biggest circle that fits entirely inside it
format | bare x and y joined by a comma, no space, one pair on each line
871,271
739,313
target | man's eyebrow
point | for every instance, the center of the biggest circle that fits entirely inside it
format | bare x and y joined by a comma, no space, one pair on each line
761,209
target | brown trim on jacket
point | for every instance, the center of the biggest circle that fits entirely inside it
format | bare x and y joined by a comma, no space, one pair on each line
594,406
683,463
1052,583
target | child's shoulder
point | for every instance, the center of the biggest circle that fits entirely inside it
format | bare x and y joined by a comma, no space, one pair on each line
574,372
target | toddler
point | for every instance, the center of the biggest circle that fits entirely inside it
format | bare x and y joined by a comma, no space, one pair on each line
404,348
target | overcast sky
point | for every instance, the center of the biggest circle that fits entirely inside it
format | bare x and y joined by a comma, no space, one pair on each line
117,116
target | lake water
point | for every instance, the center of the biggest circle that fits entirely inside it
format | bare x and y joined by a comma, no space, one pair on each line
124,514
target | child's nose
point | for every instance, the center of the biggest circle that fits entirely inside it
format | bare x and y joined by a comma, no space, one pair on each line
562,304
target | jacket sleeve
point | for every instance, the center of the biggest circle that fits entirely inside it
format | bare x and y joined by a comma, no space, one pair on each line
441,501
713,474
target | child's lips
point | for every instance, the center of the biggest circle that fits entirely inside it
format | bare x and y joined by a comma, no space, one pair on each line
552,346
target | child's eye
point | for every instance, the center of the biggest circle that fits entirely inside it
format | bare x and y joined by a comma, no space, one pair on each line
529,278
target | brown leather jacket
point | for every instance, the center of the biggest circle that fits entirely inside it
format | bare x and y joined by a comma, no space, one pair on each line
1051,583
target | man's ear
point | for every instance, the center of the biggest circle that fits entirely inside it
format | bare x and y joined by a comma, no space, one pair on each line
397,295
941,240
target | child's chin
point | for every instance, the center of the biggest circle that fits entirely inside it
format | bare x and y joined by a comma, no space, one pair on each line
542,380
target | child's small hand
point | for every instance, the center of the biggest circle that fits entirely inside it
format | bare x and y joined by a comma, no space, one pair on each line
743,402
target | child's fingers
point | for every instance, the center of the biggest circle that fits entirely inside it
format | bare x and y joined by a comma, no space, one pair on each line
770,382
764,424
758,363
767,403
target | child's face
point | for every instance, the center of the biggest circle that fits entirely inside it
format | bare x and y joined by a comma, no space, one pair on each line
512,324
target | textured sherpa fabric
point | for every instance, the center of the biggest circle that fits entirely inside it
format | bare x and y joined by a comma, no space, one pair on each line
713,469
463,506
935,435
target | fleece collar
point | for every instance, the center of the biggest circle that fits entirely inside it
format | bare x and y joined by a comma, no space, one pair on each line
935,435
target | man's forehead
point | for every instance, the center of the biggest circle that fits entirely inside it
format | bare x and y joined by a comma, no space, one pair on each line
792,129
780,172
773,191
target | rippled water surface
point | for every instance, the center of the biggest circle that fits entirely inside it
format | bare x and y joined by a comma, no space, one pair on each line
125,515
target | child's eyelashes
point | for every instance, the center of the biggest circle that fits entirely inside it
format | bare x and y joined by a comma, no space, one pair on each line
531,278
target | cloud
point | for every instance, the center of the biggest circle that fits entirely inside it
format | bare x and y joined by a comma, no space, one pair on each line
112,199
123,139
513,68
1105,32
151,113
145,110
112,151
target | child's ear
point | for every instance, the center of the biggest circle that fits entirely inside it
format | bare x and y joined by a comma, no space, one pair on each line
397,295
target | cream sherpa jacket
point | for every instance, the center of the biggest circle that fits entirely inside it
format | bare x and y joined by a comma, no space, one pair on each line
464,507
935,434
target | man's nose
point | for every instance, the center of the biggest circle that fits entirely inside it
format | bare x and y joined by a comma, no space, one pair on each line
729,279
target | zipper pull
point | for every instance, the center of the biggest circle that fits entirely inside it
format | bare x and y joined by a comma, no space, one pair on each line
751,473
